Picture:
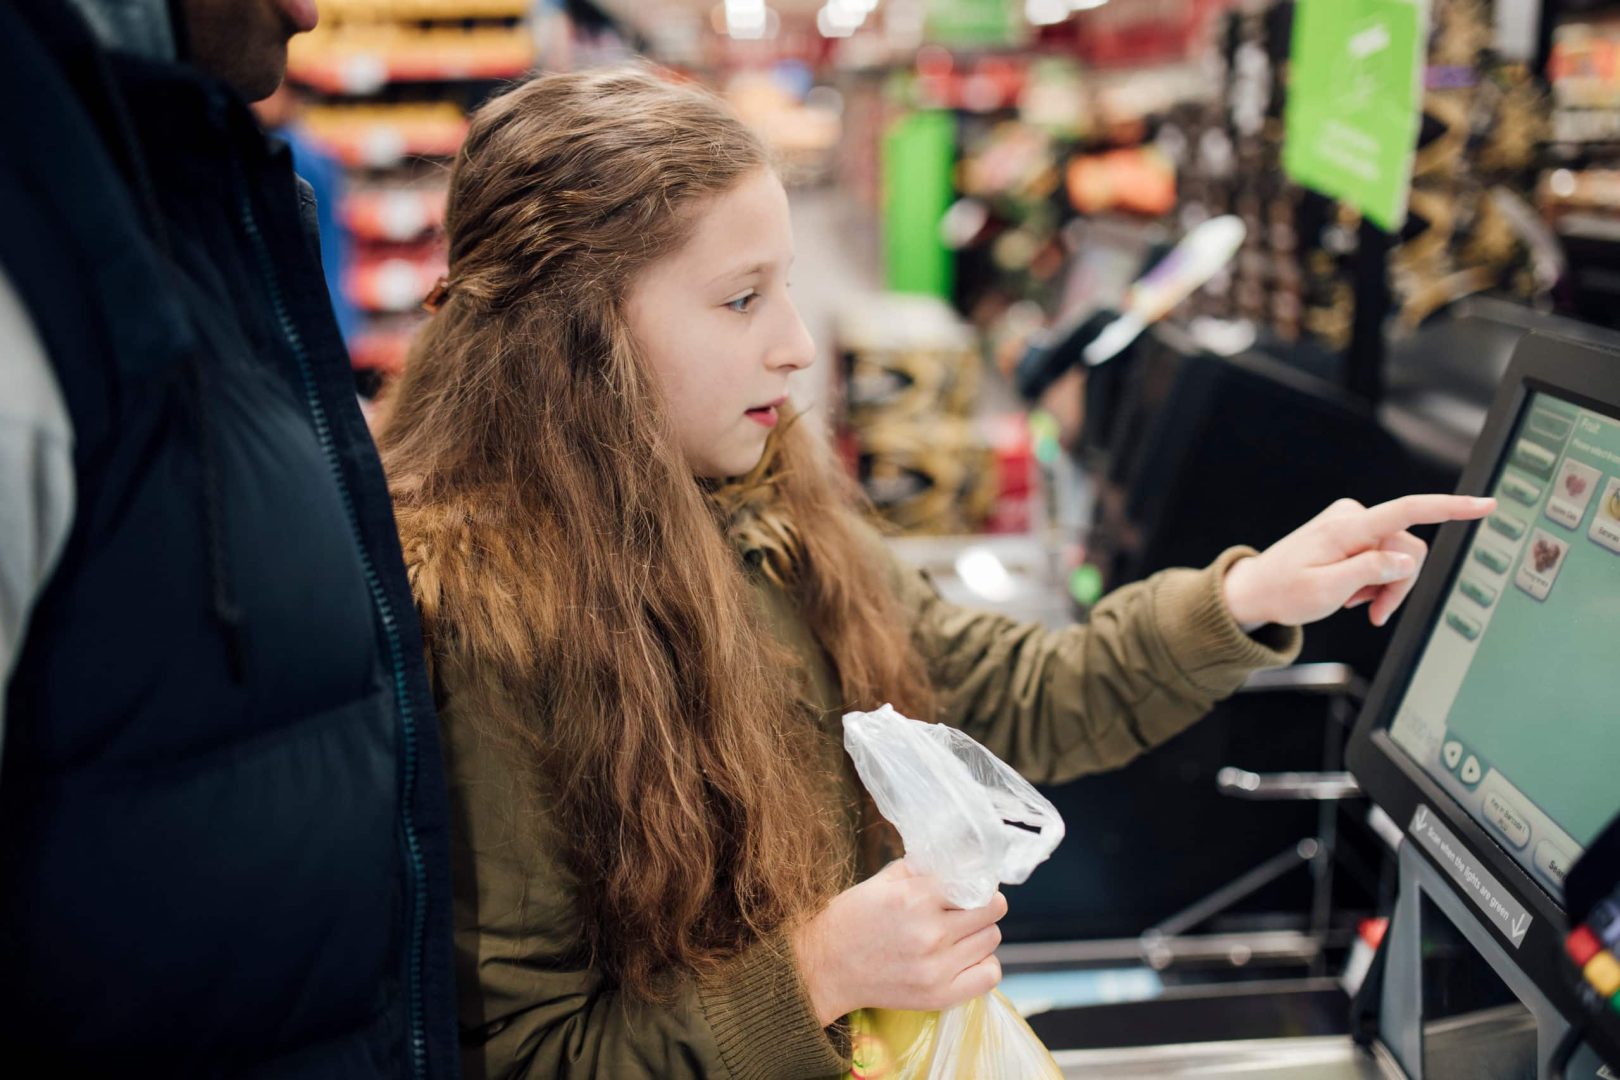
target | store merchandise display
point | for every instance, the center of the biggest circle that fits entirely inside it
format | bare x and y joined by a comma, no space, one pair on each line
382,137
1176,119
1478,149
364,57
1310,263
385,88
910,377
390,87
1579,192
801,124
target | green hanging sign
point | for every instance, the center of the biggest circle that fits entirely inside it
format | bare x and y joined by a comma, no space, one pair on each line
919,151
1354,101
966,24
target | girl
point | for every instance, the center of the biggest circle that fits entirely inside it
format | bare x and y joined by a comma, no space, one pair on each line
649,599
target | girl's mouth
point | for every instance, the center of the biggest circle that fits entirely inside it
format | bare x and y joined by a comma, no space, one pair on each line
768,414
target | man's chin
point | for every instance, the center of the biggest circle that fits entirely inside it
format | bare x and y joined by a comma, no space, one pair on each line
258,85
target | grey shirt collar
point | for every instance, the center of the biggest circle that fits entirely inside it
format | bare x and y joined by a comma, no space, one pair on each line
140,27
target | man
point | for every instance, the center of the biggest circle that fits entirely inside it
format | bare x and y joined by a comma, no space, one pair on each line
222,819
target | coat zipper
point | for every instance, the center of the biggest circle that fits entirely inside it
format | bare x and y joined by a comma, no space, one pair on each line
407,719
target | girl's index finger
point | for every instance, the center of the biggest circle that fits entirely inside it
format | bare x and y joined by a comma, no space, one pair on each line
1396,516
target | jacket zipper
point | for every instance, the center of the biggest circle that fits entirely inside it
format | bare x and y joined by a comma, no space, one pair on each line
407,719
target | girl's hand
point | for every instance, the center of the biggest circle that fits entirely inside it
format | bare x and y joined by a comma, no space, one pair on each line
892,942
1346,556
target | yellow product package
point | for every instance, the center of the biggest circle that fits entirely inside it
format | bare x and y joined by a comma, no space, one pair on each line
982,1039
970,822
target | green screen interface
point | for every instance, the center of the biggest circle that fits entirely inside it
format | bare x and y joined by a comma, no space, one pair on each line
1512,707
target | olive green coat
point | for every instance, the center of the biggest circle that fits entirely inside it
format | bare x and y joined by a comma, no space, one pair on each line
1055,705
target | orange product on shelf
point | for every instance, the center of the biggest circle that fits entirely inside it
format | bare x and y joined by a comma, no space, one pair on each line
394,214
379,136
361,58
336,11
394,280
1584,65
1137,179
382,349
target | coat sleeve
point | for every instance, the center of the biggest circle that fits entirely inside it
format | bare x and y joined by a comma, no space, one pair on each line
531,1002
1056,704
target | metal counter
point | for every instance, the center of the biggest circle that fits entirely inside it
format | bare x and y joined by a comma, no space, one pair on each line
1327,1057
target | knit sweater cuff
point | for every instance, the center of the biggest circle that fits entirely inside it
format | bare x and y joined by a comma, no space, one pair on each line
763,1022
1207,646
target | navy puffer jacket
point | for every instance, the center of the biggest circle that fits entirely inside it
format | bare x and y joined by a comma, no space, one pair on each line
222,810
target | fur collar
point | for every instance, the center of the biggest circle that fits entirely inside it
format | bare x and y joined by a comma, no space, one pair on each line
747,510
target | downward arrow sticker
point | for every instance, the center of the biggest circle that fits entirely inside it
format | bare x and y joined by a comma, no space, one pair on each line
1474,882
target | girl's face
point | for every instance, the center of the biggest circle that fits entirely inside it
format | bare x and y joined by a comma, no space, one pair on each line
716,324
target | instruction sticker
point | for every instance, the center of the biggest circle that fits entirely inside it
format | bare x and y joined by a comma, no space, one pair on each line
1476,882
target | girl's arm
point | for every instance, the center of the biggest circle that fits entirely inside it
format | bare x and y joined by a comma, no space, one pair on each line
1056,704
1158,654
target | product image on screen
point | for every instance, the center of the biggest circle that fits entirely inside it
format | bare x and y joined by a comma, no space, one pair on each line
1512,705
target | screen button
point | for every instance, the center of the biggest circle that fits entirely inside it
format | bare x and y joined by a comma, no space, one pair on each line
1468,628
1605,922
1603,973
1572,493
1494,561
1534,459
1471,771
1507,820
1541,564
1553,861
1550,426
1582,945
1509,525
1451,753
1520,490
1483,595
1606,523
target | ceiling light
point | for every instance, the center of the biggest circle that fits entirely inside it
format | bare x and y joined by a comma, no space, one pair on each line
1046,12
835,21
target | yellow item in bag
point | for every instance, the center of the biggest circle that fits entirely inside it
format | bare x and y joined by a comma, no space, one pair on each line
970,821
982,1039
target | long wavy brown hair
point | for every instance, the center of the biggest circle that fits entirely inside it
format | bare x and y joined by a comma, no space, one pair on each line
563,553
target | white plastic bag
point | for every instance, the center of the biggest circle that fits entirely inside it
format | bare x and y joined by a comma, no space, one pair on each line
965,816
972,823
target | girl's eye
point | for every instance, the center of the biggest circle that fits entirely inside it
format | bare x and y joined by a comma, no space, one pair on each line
743,304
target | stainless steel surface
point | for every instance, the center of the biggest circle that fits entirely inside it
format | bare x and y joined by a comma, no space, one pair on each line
1491,1044
1329,786
1321,1058
1162,936
1308,678
1259,947
1426,893
1030,578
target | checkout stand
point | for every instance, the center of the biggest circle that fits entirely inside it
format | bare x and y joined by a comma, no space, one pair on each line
1482,811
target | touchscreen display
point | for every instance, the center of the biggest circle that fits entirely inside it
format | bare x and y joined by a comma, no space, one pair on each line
1514,706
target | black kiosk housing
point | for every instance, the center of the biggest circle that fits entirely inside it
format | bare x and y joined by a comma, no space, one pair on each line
1475,906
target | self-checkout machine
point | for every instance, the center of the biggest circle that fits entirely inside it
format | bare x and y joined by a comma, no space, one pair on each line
1491,740
1489,745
